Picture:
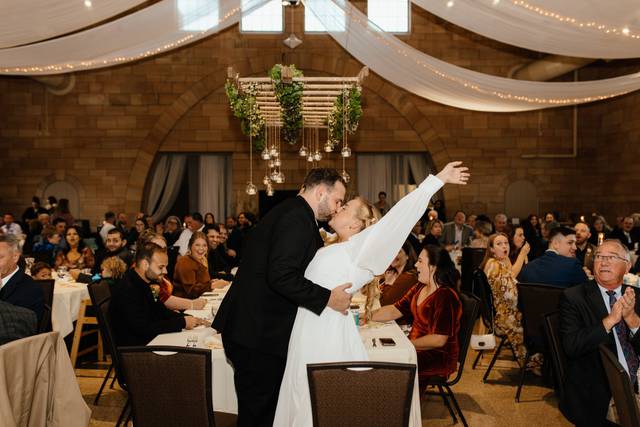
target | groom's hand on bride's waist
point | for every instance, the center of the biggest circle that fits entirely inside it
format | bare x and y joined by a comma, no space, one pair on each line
340,299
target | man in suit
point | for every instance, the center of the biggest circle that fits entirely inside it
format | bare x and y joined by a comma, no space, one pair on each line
16,322
115,245
257,314
558,266
456,233
16,287
218,266
624,233
136,315
585,251
600,311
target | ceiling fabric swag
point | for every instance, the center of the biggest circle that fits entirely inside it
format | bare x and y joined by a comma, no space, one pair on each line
29,21
449,84
163,26
580,28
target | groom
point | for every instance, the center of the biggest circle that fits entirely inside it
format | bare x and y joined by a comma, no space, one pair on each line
257,314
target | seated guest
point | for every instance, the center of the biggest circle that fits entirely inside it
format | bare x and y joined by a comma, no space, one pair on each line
115,245
500,224
584,250
137,317
382,204
16,287
191,276
435,308
159,227
122,222
195,224
456,233
138,227
518,245
600,311
229,254
164,288
543,243
209,219
36,227
414,237
41,271
108,225
49,244
172,230
112,269
533,236
399,277
16,322
481,233
599,227
246,222
499,272
558,266
62,211
76,255
471,221
218,266
33,211
9,226
624,234
433,233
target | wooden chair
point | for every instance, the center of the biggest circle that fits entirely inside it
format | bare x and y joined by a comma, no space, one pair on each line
83,320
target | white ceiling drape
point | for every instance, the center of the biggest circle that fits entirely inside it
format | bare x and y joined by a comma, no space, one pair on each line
582,28
448,84
29,21
161,27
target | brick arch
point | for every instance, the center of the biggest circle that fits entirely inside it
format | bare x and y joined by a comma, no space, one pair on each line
396,97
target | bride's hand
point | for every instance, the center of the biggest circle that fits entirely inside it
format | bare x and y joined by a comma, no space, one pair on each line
454,173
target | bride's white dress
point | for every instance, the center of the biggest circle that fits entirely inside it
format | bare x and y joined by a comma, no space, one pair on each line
332,336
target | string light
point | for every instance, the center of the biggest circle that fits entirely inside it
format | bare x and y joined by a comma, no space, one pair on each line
582,24
81,65
472,86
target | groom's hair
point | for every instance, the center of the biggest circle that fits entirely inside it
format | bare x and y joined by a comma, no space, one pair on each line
326,176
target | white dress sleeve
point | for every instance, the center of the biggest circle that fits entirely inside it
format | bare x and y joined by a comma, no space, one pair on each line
373,249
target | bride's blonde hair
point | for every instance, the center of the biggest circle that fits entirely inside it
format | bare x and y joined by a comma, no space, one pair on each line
365,212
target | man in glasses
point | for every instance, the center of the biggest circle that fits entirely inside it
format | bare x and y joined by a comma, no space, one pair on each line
600,311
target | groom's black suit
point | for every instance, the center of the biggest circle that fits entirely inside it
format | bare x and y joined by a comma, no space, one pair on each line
257,314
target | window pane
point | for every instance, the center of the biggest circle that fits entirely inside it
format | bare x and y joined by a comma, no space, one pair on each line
267,18
332,16
390,15
198,15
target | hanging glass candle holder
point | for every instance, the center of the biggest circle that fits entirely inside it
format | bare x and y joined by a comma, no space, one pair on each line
266,180
310,158
251,189
273,152
277,163
270,190
265,154
346,152
271,164
274,176
317,156
345,176
303,151
328,147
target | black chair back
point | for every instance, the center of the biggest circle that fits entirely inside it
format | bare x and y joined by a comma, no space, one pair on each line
470,309
43,256
361,393
624,397
556,351
47,294
534,301
471,259
100,294
169,389
482,290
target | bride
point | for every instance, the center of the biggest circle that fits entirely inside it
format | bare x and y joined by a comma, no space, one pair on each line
365,248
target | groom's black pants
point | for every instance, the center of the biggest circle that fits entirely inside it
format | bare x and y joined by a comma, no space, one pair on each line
257,378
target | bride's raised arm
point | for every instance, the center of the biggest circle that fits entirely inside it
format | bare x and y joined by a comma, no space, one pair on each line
374,248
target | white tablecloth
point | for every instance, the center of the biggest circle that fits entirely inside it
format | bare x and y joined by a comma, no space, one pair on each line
67,297
224,396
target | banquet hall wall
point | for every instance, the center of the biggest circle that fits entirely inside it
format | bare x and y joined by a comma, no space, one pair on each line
103,136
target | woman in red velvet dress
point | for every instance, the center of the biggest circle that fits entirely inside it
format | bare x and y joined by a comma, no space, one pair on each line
435,308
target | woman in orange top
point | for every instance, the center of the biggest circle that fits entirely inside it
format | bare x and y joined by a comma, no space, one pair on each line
191,276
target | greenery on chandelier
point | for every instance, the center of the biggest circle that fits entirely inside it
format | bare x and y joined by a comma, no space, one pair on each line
245,107
289,96
352,111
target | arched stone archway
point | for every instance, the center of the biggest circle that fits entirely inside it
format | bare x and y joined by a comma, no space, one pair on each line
396,97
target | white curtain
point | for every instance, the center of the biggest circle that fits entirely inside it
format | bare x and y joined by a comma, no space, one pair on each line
165,185
390,173
582,28
163,26
29,21
451,85
215,186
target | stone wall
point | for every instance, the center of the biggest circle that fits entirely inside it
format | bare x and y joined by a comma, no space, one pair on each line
104,135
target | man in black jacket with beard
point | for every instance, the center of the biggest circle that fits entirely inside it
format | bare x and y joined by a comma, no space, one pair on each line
257,314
